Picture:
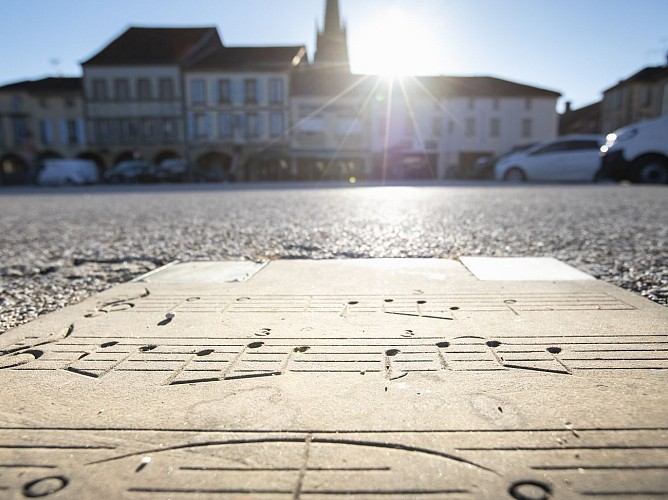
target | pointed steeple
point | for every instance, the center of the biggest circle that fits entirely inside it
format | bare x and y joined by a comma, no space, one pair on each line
332,17
332,43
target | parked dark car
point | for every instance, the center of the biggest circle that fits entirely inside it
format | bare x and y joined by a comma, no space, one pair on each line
131,171
172,170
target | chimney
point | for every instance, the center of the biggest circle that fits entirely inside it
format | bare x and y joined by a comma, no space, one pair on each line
568,107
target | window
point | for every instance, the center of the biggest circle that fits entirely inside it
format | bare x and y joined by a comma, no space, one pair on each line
45,133
566,146
43,103
100,90
147,128
409,126
619,100
275,91
16,103
72,132
528,104
451,127
225,124
250,91
583,145
125,128
312,125
198,92
69,102
382,125
224,91
496,104
437,127
168,128
550,148
614,100
495,127
128,129
252,125
102,130
645,96
471,103
144,89
527,126
20,130
470,127
276,124
350,126
122,89
166,89
201,122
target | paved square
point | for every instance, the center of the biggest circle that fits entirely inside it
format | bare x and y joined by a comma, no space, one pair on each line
339,379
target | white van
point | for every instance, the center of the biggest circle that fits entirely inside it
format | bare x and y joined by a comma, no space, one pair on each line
73,172
638,153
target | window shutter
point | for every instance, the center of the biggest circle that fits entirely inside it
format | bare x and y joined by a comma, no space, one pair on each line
62,130
81,132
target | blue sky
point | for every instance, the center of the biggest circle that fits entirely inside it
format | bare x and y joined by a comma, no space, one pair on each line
577,47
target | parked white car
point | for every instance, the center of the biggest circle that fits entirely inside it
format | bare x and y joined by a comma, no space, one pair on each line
73,172
570,158
638,153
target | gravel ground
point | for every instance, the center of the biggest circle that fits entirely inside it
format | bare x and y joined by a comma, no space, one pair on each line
58,247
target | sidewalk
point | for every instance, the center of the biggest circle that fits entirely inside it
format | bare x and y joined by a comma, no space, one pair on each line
393,378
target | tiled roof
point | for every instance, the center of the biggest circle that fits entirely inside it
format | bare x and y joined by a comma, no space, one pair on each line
322,82
256,58
318,81
481,86
155,46
650,74
45,85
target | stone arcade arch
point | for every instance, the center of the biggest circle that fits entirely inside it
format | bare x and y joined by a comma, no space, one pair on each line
124,156
47,154
89,155
14,170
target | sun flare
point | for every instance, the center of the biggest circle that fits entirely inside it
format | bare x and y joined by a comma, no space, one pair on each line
395,43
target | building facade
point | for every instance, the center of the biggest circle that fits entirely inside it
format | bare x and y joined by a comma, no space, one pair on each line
331,125
135,93
584,120
437,127
267,113
238,112
39,119
642,96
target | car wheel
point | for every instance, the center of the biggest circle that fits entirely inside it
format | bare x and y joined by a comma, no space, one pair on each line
514,175
651,170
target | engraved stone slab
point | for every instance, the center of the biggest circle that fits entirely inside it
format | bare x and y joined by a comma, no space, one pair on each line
338,379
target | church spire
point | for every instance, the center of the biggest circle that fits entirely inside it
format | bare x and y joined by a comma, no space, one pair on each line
332,43
332,17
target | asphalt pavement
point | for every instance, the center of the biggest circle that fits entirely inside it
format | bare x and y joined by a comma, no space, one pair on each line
59,246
